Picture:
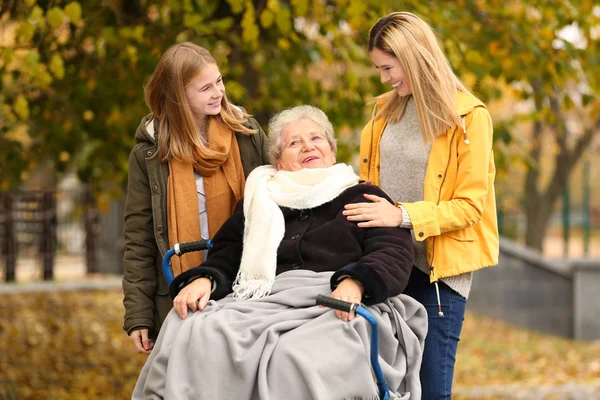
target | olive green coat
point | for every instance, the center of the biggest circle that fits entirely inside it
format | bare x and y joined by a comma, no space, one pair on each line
145,289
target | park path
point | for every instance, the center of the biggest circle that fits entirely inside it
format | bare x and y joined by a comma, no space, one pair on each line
69,273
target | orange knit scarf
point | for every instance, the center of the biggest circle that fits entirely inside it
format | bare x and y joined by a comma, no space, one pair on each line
223,184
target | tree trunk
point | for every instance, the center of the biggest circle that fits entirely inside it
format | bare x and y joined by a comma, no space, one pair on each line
540,203
534,231
537,224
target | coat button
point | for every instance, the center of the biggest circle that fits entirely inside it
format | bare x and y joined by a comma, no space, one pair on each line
159,228
296,236
421,234
303,215
440,176
295,266
365,160
155,188
149,154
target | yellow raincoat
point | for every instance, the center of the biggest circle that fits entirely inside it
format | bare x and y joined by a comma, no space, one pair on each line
457,218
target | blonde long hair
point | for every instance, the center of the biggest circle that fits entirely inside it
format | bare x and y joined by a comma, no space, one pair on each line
179,137
434,85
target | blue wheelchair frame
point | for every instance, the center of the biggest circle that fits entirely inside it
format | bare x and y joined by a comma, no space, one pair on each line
354,308
180,249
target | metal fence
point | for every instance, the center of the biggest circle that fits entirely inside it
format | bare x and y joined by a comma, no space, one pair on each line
40,224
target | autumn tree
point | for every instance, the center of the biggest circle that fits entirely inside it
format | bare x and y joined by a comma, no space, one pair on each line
73,75
549,56
73,72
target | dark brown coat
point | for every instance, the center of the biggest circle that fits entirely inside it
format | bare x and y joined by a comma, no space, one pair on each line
146,298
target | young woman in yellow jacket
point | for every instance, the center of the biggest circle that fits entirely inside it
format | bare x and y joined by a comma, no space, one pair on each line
429,146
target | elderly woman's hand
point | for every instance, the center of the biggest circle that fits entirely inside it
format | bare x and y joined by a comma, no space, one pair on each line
194,296
379,213
348,290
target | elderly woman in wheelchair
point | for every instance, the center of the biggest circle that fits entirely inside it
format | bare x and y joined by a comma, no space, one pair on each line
245,324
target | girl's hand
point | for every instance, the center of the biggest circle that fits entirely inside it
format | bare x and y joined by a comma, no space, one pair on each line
348,290
379,213
194,296
140,340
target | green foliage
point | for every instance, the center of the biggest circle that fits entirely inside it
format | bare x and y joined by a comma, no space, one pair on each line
73,11
74,71
21,107
55,17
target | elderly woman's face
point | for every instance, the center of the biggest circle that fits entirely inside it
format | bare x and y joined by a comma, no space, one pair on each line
304,146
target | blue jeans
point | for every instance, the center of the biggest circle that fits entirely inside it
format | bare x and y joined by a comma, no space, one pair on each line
439,356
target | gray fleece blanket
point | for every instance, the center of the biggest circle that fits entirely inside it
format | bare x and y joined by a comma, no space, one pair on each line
284,347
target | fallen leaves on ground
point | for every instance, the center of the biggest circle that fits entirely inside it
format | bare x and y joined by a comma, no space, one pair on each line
492,352
65,345
70,345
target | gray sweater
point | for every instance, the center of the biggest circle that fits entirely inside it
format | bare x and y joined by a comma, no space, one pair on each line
403,165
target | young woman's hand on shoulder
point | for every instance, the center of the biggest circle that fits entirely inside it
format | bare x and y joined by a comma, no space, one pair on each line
377,213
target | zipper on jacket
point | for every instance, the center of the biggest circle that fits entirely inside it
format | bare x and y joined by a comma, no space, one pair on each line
439,198
466,139
431,268
373,116
161,185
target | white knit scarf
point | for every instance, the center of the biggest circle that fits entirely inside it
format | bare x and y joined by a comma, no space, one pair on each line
266,190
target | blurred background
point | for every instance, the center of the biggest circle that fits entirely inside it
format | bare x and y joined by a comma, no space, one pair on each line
71,96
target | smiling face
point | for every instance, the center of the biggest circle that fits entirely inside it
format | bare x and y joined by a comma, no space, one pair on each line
391,71
304,146
204,94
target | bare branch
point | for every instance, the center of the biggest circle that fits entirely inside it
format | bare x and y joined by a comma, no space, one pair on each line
6,6
584,142
259,6
560,126
486,20
565,162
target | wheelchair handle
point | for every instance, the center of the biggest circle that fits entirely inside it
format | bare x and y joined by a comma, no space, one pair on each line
180,249
336,304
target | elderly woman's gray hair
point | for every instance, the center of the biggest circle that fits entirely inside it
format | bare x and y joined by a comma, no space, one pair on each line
279,121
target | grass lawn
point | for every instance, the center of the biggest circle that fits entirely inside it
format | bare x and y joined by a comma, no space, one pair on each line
70,345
